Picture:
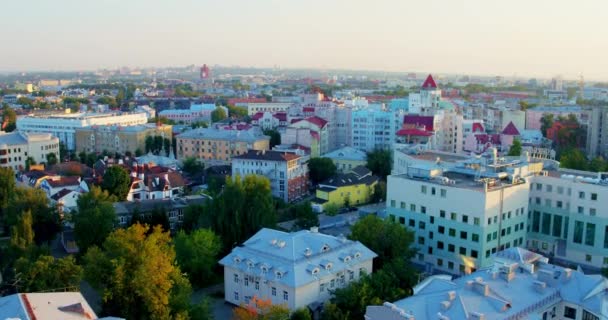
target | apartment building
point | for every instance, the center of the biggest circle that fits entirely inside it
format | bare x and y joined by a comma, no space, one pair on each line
371,128
16,147
118,138
63,126
287,172
597,132
272,107
519,285
463,213
311,133
427,99
297,269
196,112
215,146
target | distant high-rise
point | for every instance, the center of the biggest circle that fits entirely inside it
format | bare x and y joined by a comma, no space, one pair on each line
205,72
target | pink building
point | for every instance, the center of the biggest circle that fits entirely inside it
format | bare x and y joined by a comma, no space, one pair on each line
534,115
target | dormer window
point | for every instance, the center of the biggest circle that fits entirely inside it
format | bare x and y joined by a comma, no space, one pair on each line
279,274
315,271
237,259
357,255
325,248
346,259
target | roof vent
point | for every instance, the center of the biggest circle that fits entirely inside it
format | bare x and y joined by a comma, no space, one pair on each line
445,305
314,229
307,252
539,286
281,244
477,316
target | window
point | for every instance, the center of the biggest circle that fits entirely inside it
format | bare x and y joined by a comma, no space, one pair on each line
236,278
236,295
442,213
423,209
546,224
441,229
536,221
476,221
489,221
581,195
393,203
246,281
592,212
606,238
465,218
451,248
402,205
581,210
286,295
578,232
433,191
452,232
463,251
439,262
594,196
474,254
539,186
412,222
590,234
588,257
421,225
589,316
401,220
432,219
322,287
453,216
557,225
332,283
475,237
413,207
423,189
420,240
450,265
440,245
559,204
463,235
489,237
274,291
444,193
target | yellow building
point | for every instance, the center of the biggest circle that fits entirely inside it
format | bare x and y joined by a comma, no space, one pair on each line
217,146
347,158
355,187
119,139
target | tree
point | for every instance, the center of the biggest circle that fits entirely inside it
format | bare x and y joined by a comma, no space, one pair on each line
275,137
94,219
573,159
386,238
63,151
157,217
515,149
546,122
22,234
47,274
136,275
192,165
301,314
331,209
218,114
51,159
320,169
46,221
197,254
259,309
29,162
7,185
380,162
158,144
523,105
305,217
9,119
379,194
598,164
117,182
167,146
149,144
138,152
201,311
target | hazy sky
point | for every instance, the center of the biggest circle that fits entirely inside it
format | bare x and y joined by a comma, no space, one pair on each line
494,37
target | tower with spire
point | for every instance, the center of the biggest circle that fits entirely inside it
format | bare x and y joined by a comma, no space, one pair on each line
427,100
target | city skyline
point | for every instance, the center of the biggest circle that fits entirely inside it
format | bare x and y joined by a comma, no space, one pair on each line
515,38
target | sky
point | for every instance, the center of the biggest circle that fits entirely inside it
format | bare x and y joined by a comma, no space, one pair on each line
537,38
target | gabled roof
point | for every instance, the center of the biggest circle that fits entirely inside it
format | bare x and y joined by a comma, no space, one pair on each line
318,121
64,182
429,83
477,127
257,116
426,121
281,116
359,175
414,132
61,193
510,130
267,155
347,153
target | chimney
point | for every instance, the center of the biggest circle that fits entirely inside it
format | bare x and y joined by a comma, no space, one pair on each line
445,305
567,274
481,287
314,229
539,286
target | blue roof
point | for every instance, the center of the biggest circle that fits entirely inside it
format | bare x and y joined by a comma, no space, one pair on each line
295,256
12,308
347,153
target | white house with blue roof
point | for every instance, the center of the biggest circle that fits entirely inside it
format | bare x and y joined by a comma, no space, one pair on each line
520,285
297,269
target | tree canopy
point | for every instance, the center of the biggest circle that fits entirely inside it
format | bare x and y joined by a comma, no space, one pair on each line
275,137
305,217
320,169
515,149
218,114
46,221
7,185
95,218
380,162
9,119
192,165
573,159
48,274
546,122
117,182
197,254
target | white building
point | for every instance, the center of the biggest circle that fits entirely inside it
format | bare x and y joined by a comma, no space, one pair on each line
427,99
272,107
196,112
287,172
293,269
519,285
372,128
63,126
16,147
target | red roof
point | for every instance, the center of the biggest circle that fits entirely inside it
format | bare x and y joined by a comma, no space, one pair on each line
64,181
257,116
485,138
429,83
281,116
308,109
315,135
319,122
510,130
417,121
478,127
414,132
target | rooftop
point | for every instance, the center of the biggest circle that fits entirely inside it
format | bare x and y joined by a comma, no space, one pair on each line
267,155
46,306
21,138
347,153
358,175
251,135
297,258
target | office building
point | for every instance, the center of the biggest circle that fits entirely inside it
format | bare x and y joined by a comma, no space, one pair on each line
16,147
371,128
119,139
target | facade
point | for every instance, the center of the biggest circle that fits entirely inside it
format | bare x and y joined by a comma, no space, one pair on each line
371,128
216,146
63,126
16,147
296,270
196,112
567,217
272,107
347,158
518,285
268,121
427,99
353,188
287,172
118,138
534,115
464,212
312,133
597,132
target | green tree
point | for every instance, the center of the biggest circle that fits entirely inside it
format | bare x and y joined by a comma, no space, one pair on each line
192,165
515,149
301,314
331,209
46,221
136,275
237,112
158,144
25,102
110,101
386,238
7,185
275,137
197,254
218,114
22,234
573,159
51,159
167,146
598,164
149,144
29,162
47,274
9,119
546,122
63,151
201,310
305,217
320,169
379,194
380,162
138,152
94,219
331,311
117,182
523,105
